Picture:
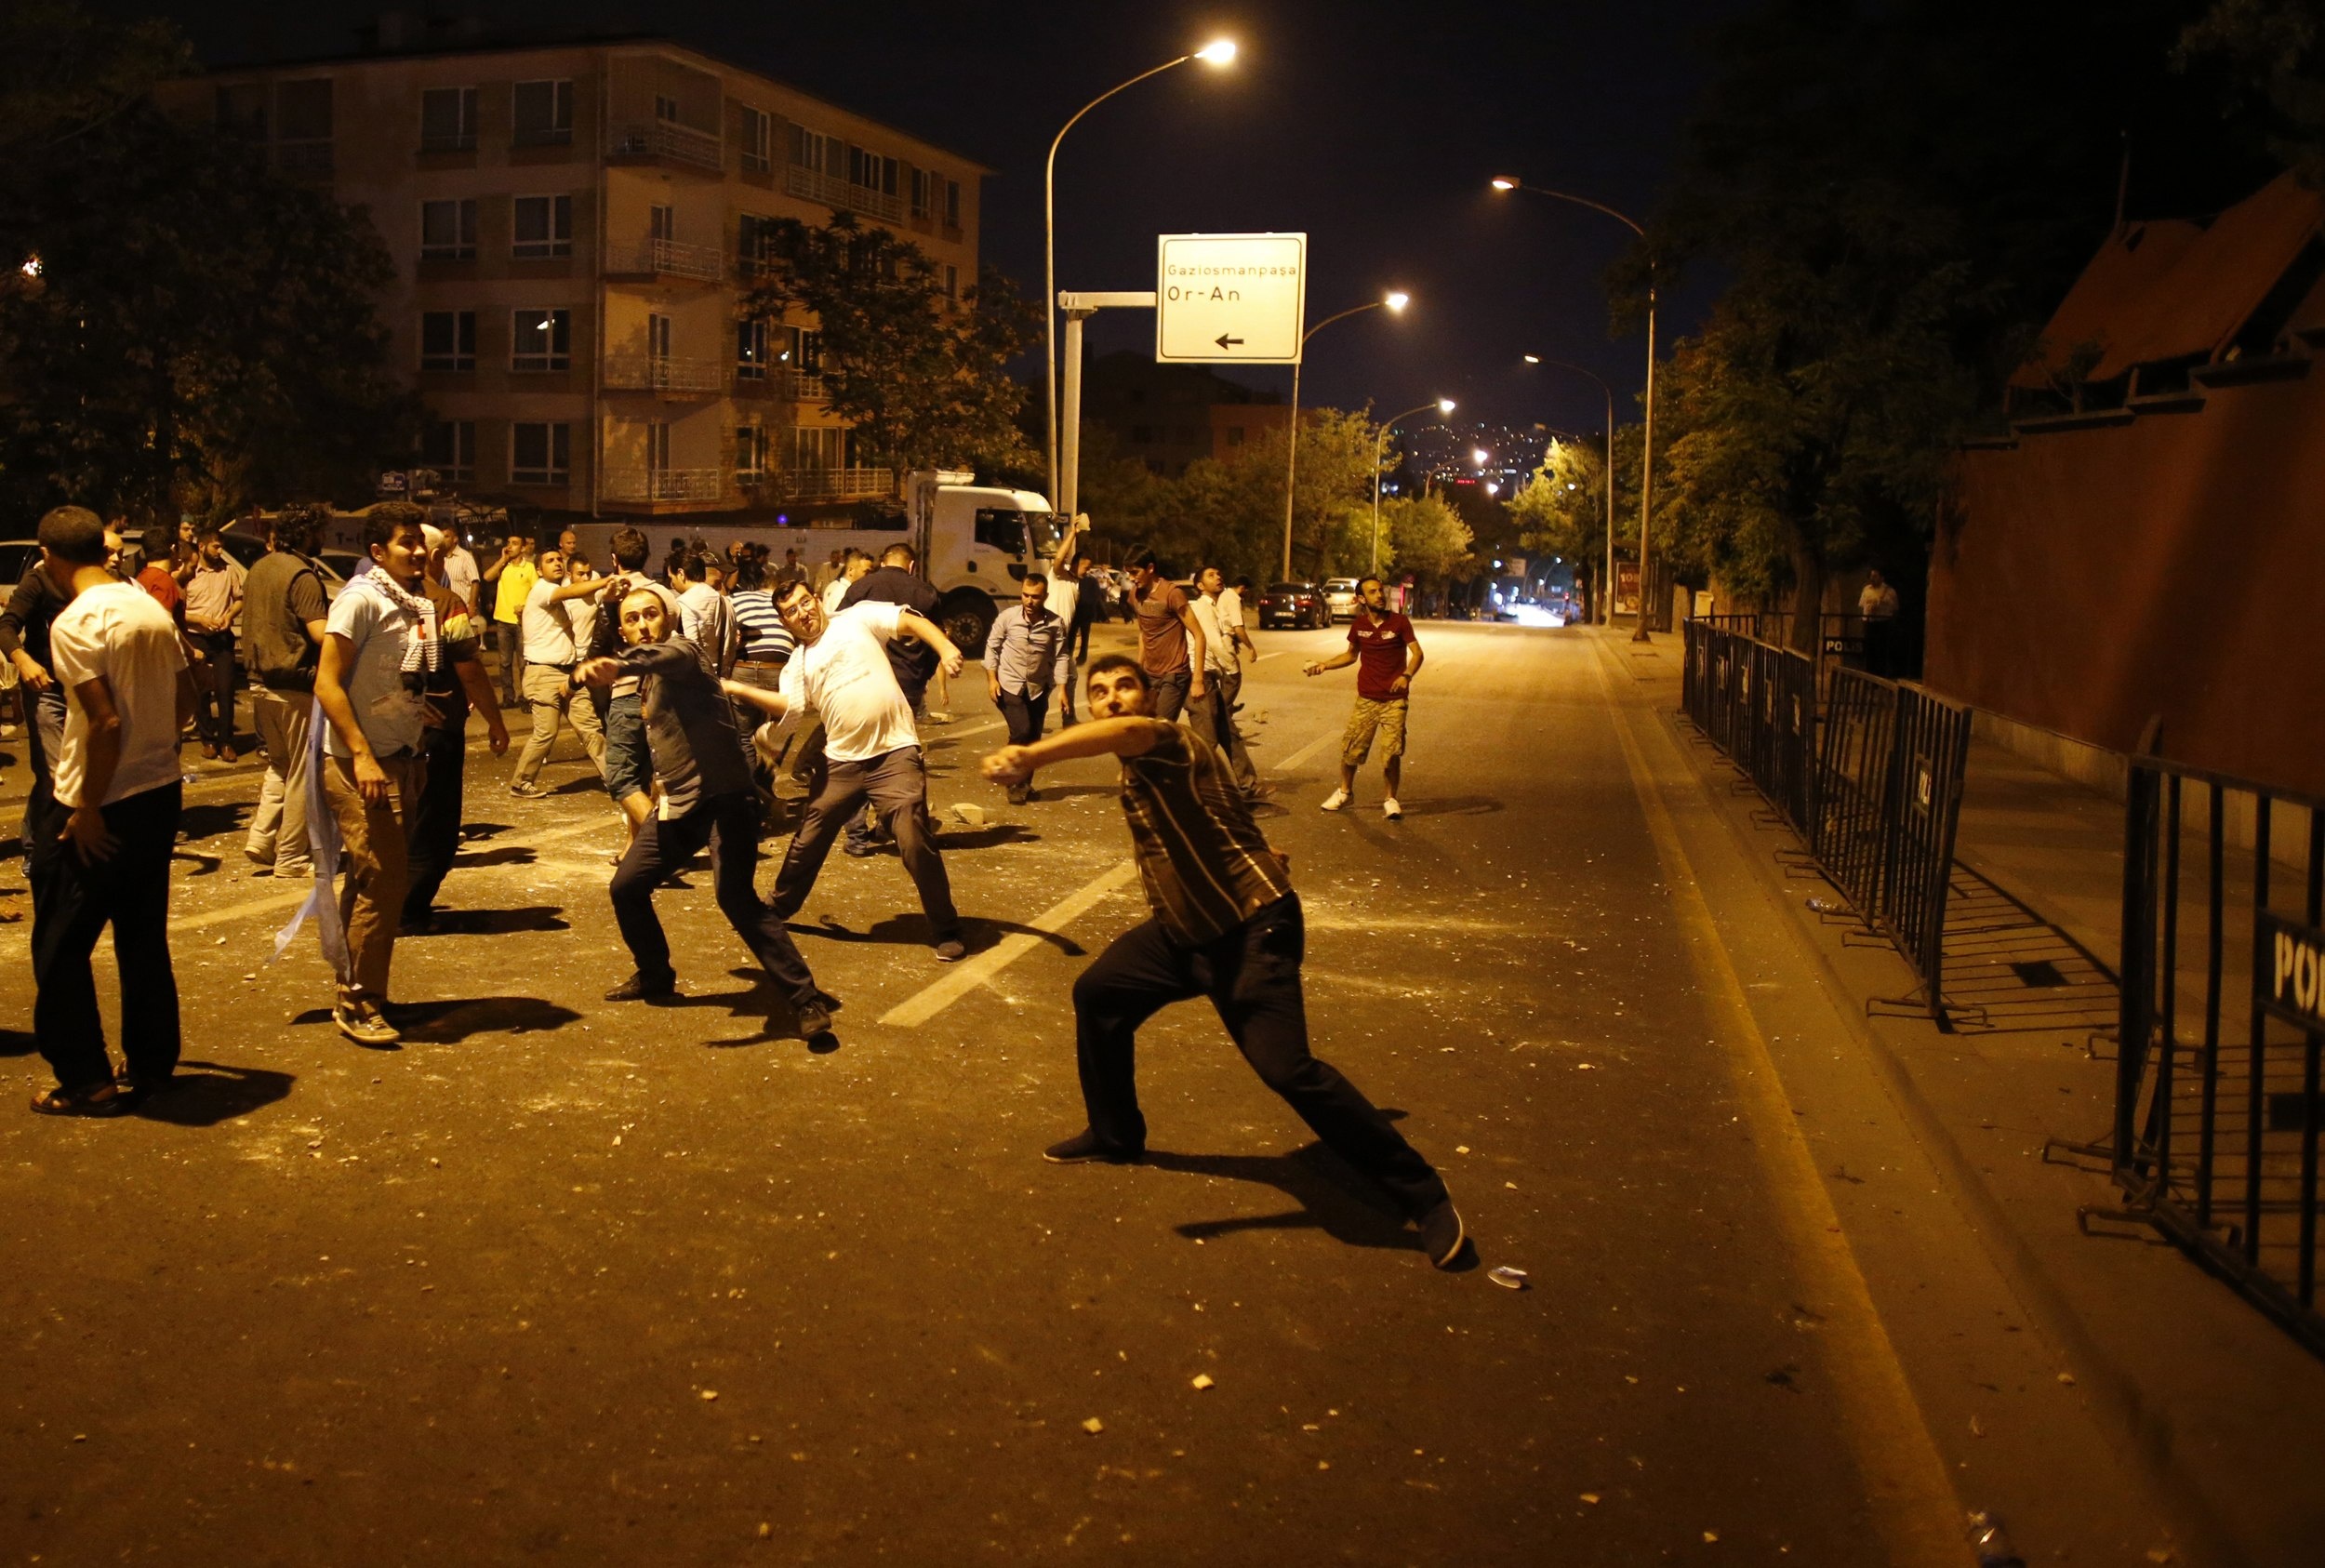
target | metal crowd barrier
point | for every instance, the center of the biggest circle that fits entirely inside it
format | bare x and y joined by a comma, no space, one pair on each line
1873,783
2217,1105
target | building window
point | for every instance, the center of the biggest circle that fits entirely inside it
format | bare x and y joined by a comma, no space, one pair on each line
869,171
751,351
924,193
544,226
540,454
1234,435
447,341
447,230
541,340
448,120
804,350
750,454
242,111
813,150
661,222
666,109
952,204
449,448
952,280
543,113
816,449
657,447
757,137
1189,435
303,110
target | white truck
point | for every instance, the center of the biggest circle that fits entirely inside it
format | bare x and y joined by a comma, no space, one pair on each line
976,542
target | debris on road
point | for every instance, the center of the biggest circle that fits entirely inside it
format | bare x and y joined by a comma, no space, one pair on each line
1093,1426
1203,1380
1508,1277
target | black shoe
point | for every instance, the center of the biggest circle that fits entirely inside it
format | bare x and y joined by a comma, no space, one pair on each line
1019,794
1442,1234
860,850
1085,1147
420,926
814,1017
642,986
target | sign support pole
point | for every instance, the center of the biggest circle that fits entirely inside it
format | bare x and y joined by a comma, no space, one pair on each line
1077,309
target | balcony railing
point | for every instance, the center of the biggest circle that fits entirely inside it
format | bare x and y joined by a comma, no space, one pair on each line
801,386
662,139
832,191
665,258
664,484
830,484
448,141
665,373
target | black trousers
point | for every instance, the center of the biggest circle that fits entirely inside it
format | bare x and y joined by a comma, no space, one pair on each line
431,827
1251,975
896,785
71,905
730,824
1077,640
1024,715
213,687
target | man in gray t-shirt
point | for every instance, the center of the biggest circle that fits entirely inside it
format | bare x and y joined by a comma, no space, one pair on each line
380,643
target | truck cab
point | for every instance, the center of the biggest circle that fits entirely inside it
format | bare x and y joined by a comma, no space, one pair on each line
976,542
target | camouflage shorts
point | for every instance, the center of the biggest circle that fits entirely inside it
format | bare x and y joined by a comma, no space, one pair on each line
1387,716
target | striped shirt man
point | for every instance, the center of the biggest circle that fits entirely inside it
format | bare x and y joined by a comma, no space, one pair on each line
765,640
1204,863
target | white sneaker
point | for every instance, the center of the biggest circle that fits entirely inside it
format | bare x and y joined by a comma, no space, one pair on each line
1391,810
1336,800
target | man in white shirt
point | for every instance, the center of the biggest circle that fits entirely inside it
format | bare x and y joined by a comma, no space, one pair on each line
548,661
97,852
707,619
1213,714
853,565
871,751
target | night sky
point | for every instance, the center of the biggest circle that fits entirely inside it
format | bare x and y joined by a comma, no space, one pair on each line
1371,127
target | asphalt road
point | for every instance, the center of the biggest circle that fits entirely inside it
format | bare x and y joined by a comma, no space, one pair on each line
570,1280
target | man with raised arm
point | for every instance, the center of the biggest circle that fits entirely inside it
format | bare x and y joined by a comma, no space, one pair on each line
706,799
871,751
1390,656
1225,926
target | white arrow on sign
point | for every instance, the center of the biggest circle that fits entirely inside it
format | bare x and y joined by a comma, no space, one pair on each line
1229,299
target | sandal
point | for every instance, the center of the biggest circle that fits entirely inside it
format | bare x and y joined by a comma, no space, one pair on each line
103,1099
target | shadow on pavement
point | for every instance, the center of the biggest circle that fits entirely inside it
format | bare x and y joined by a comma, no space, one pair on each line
449,1022
495,922
1333,1198
204,1093
507,855
1455,805
954,838
911,930
209,818
204,864
16,1042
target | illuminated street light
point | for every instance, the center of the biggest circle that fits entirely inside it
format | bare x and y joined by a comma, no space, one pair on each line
1219,51
1507,182
1380,442
1480,456
1394,302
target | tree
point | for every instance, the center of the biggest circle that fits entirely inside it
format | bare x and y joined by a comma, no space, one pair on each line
2274,54
1900,193
918,375
1425,538
1561,509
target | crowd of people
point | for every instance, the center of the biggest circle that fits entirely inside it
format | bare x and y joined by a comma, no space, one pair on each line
690,692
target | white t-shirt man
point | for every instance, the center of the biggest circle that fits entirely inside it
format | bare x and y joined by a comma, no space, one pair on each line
117,631
1877,602
709,624
834,591
547,626
844,675
1219,652
388,706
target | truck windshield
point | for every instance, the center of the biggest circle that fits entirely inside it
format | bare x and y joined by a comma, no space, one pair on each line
1047,530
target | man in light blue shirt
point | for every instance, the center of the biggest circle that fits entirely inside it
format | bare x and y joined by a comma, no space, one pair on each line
1026,658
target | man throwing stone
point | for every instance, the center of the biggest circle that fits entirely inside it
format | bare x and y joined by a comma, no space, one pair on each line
1390,656
871,751
706,799
1225,926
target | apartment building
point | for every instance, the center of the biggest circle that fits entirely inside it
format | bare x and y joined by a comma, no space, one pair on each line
574,226
1167,416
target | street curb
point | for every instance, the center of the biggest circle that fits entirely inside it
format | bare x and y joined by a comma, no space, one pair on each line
2198,1528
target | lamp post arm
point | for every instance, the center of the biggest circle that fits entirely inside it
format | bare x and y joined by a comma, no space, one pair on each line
1623,218
1049,260
1340,316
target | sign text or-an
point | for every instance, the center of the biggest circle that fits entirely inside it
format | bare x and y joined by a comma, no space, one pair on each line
1229,299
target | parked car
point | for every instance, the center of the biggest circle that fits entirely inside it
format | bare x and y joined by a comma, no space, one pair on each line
1294,605
15,556
1340,597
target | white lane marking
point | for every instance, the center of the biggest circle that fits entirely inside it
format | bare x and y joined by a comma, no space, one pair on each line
932,1000
1288,763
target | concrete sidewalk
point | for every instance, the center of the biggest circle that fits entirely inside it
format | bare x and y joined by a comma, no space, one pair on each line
2222,1411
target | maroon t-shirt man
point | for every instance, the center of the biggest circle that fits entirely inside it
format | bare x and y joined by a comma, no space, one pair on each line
1380,653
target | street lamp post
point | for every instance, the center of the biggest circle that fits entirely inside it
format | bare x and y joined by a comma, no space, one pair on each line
1647,447
1380,447
1606,594
1394,302
1218,52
